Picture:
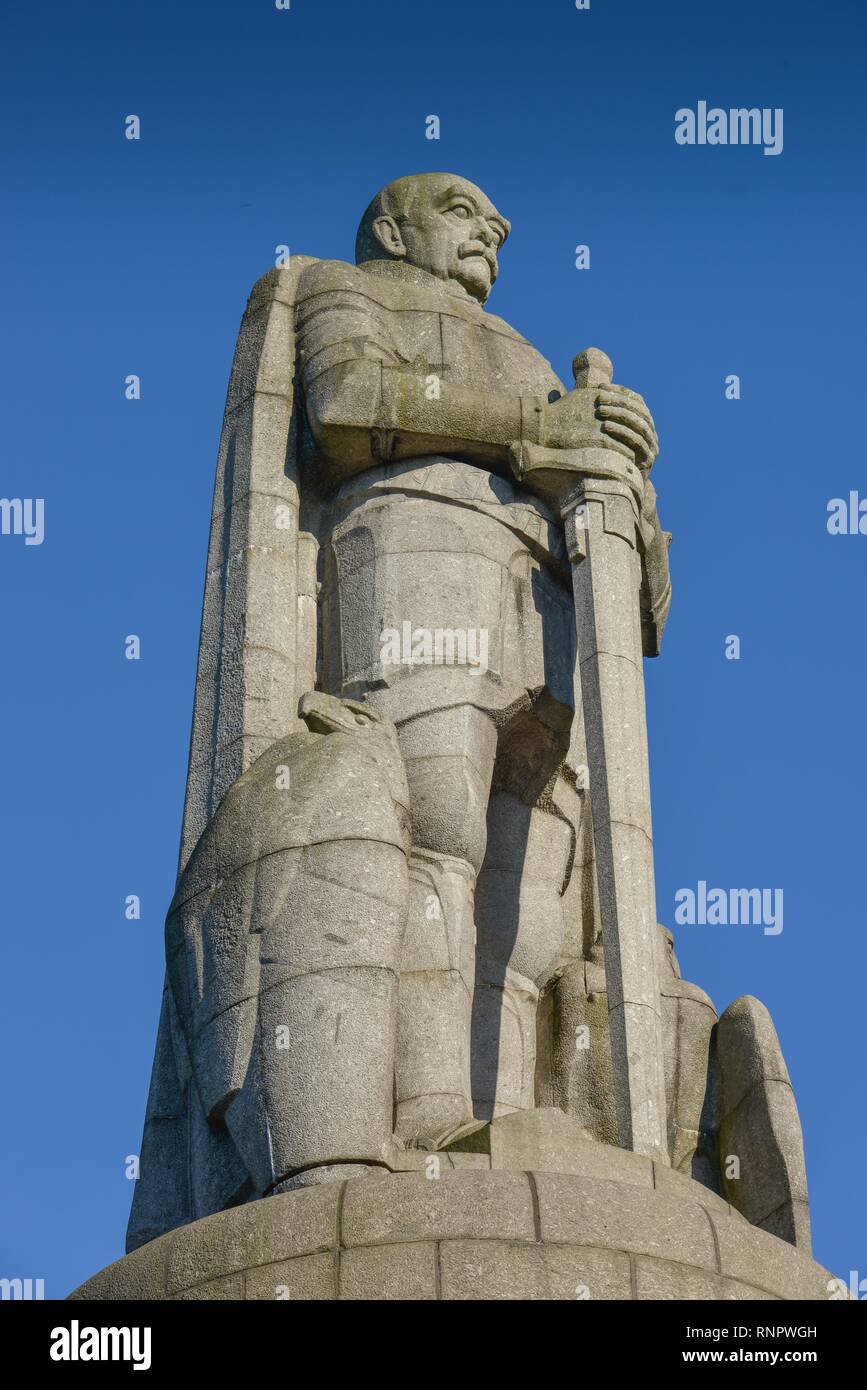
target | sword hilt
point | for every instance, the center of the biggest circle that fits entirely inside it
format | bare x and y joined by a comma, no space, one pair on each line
593,367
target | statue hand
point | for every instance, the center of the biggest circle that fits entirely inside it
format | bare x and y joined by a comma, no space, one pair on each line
602,417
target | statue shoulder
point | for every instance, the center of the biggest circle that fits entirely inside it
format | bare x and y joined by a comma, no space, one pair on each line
302,276
329,277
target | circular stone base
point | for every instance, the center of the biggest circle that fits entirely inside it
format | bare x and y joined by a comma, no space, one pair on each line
472,1233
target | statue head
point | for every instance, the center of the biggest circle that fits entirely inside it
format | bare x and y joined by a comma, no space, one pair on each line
440,223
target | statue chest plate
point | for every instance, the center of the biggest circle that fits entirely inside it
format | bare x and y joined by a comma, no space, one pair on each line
493,358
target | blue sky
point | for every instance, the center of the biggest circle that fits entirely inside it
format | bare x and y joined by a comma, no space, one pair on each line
262,127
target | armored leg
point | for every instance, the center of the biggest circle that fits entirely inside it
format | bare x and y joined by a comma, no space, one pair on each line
520,921
319,1090
449,758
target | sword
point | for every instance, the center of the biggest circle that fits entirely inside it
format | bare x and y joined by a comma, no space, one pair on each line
599,494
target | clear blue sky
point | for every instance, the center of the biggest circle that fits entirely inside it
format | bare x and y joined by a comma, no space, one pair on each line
262,127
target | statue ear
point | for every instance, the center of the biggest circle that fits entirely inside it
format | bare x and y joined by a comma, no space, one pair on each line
387,233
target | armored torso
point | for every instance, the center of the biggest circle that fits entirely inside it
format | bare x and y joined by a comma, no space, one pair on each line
406,317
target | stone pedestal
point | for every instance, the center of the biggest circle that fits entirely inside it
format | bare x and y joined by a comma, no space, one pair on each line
609,1224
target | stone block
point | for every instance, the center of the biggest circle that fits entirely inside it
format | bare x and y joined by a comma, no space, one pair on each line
307,1277
231,1288
592,1239
399,1273
552,1142
140,1275
756,1257
404,1207
259,1233
490,1269
609,1215
668,1280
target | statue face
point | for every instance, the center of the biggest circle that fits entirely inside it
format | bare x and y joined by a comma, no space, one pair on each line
448,227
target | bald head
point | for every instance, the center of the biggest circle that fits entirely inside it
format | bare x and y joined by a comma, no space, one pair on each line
440,223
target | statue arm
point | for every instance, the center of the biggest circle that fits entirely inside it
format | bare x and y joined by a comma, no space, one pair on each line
366,403
365,411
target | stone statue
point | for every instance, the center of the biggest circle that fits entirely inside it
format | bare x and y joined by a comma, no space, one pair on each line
416,864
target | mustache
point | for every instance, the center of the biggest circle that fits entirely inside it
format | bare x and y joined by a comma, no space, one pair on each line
478,248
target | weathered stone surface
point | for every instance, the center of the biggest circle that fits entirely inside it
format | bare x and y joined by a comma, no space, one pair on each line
612,1216
284,949
667,1181
141,1275
305,1278
445,1161
392,1272
757,1257
759,1125
489,1269
468,1235
220,1290
551,1142
664,1279
298,1224
404,1207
